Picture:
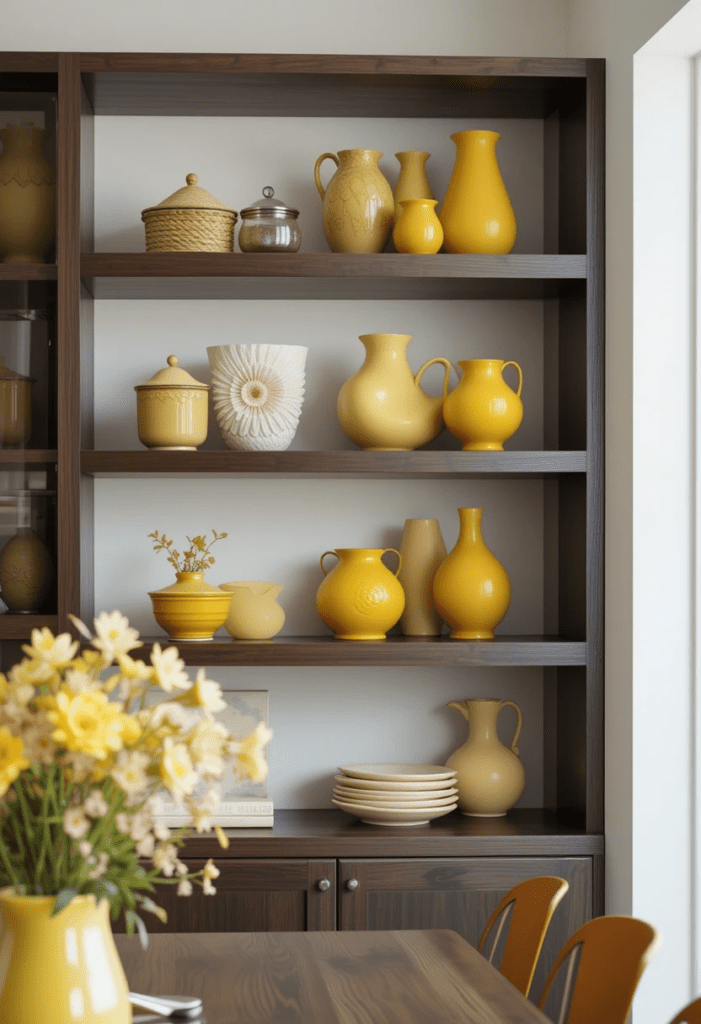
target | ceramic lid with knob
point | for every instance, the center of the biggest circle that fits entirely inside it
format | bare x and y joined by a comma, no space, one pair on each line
269,207
172,376
191,197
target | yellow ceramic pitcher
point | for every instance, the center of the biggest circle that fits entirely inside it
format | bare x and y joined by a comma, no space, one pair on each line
382,407
254,613
483,411
357,206
360,599
490,776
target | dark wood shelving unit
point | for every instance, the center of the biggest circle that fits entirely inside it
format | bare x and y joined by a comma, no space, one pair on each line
274,872
403,464
19,456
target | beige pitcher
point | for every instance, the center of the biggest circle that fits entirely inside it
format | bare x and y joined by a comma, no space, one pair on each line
254,613
357,205
490,776
382,407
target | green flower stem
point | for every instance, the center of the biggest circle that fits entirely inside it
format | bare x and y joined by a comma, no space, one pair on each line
47,846
27,821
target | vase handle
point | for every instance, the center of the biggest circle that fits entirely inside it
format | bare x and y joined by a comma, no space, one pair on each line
394,552
321,560
317,167
520,375
448,367
519,721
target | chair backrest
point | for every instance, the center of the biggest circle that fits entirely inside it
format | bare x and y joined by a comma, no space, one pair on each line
691,1014
614,952
532,904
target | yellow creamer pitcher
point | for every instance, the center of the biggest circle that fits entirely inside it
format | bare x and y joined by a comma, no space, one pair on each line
360,599
382,407
483,411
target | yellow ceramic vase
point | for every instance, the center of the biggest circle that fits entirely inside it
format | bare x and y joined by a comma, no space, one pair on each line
63,969
412,182
27,196
419,229
476,214
471,590
254,613
360,599
483,411
190,609
422,550
27,572
172,410
490,776
382,407
357,206
15,407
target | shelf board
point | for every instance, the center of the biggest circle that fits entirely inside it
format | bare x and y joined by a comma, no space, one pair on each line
343,463
332,833
19,627
27,271
326,275
401,651
17,456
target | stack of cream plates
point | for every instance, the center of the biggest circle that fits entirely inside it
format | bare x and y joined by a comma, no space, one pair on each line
396,794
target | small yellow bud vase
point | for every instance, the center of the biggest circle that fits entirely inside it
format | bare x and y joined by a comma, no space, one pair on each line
483,411
419,229
191,608
412,182
471,589
62,969
360,599
357,209
490,777
254,613
476,214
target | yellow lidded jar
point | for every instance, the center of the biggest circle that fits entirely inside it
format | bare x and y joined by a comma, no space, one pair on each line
172,410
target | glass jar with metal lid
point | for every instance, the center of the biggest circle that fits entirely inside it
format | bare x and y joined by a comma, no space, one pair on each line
269,226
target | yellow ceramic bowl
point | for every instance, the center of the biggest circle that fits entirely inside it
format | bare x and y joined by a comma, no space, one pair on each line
190,609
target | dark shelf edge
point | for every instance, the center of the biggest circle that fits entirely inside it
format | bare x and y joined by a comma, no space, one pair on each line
19,627
34,455
28,272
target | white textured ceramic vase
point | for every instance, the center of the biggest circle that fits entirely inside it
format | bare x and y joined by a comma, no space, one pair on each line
257,391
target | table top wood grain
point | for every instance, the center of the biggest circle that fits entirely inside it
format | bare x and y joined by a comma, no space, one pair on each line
363,977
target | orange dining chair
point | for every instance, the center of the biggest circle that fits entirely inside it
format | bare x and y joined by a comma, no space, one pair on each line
613,953
691,1014
532,904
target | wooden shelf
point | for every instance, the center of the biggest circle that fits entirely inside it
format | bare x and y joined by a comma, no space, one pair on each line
344,463
332,833
17,456
19,627
176,275
402,651
27,271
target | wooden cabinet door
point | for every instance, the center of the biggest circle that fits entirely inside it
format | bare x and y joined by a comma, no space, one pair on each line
252,896
460,894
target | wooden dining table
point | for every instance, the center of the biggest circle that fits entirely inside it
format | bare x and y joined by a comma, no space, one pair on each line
325,977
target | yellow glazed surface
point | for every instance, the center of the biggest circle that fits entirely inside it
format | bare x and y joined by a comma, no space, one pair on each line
190,609
471,590
27,571
15,411
357,205
412,182
382,407
422,550
490,776
59,970
476,214
360,599
254,613
483,411
419,229
27,196
173,418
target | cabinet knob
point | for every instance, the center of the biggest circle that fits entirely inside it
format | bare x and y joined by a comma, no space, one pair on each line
352,884
323,884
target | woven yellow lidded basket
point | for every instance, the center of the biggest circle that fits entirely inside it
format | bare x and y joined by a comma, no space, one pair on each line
191,220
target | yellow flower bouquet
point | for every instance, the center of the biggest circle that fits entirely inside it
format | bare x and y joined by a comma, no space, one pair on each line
88,739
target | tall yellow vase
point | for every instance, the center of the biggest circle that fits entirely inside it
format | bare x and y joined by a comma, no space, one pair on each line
59,970
476,214
471,589
27,196
412,182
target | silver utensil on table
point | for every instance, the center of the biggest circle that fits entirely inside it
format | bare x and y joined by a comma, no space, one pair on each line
177,1007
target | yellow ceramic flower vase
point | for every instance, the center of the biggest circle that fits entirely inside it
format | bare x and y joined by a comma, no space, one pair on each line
382,407
490,777
483,411
190,609
27,572
422,550
419,229
27,196
412,182
357,206
471,590
476,214
254,613
63,969
360,599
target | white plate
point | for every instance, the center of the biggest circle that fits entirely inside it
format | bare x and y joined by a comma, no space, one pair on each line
389,787
396,799
393,806
392,815
398,772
